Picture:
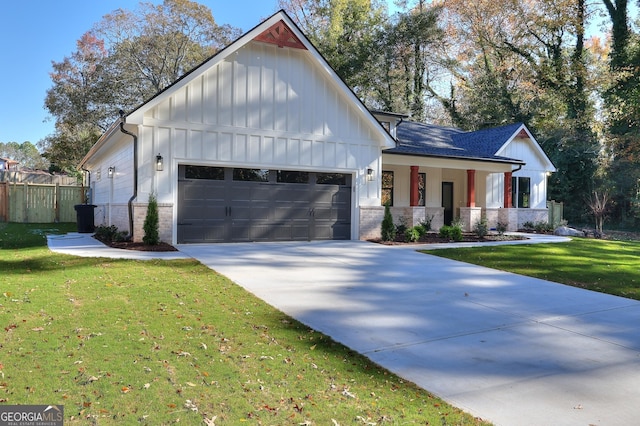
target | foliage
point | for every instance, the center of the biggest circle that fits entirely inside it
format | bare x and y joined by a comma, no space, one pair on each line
501,228
109,234
598,265
25,153
414,233
451,232
151,223
125,59
481,228
401,226
162,342
388,229
426,222
598,203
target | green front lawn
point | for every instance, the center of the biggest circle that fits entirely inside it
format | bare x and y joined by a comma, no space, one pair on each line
601,265
161,342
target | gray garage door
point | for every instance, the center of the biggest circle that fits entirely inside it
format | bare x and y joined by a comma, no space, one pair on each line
217,204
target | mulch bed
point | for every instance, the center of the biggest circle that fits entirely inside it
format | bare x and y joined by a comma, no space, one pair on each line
139,246
433,238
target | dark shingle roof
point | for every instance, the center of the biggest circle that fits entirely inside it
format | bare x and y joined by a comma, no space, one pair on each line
437,141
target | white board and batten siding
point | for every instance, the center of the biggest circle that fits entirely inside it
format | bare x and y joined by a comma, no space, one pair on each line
536,168
261,107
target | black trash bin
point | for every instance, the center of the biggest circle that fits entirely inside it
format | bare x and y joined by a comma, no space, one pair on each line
84,217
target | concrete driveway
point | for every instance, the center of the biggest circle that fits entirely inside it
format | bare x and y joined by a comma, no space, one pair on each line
510,349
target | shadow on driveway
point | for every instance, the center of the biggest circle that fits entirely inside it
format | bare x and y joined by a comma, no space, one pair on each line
510,349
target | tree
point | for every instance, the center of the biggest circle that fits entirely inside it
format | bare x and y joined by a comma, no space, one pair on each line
345,32
387,228
124,60
25,153
151,223
407,61
622,109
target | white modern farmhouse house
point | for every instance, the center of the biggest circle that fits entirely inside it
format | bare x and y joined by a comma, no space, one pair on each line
264,142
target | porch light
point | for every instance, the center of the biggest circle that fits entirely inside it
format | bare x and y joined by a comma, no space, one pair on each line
159,163
111,172
369,174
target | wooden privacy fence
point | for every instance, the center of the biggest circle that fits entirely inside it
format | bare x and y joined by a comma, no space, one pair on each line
29,203
556,211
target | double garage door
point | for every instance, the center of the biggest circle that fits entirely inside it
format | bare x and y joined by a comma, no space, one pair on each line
217,204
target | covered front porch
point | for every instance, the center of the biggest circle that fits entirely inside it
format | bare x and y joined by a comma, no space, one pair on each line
442,190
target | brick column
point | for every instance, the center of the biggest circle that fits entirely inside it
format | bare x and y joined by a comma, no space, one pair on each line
414,195
507,190
471,188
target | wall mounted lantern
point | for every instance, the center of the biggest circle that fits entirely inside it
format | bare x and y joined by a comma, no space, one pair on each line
159,163
111,172
369,174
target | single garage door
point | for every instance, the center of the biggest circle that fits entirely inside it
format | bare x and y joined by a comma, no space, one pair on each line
217,204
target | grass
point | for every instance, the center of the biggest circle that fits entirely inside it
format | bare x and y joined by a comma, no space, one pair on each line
600,265
162,342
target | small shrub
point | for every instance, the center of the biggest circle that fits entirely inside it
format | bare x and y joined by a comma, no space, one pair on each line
445,232
501,228
109,234
542,227
421,229
528,226
481,229
456,233
426,223
412,235
453,232
151,223
401,227
388,229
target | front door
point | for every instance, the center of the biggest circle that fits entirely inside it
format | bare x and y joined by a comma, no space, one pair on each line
447,202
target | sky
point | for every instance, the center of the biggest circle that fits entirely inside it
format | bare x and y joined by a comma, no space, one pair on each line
33,33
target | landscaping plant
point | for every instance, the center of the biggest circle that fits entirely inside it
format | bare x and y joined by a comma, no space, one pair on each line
151,223
388,229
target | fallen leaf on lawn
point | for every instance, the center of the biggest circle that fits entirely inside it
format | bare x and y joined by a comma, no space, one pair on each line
204,346
125,389
92,379
147,385
335,423
190,405
211,421
348,394
313,348
193,385
38,329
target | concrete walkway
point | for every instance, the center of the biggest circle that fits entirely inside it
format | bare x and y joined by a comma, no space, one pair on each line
84,245
510,349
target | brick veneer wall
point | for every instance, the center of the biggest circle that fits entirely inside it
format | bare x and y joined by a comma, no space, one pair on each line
165,221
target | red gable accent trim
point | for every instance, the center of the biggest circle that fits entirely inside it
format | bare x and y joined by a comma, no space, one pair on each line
281,35
523,134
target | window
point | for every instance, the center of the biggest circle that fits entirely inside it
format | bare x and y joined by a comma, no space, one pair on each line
251,175
387,188
203,172
285,176
521,192
422,191
331,179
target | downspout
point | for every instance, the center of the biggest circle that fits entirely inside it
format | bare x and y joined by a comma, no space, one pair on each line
85,196
135,172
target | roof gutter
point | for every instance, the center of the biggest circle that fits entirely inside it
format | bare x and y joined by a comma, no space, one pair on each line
123,120
519,163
